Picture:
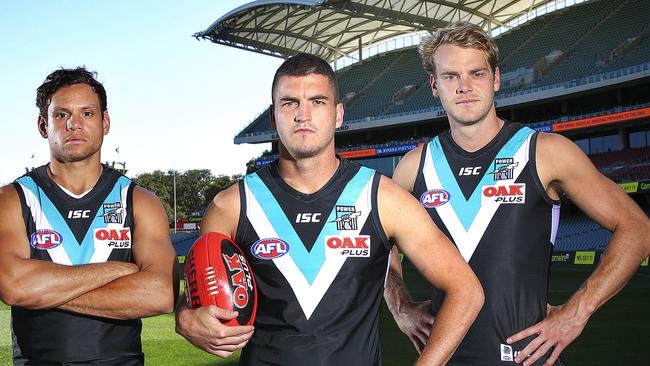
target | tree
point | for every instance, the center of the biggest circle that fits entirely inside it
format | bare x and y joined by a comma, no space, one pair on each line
217,185
190,190
161,184
250,166
195,189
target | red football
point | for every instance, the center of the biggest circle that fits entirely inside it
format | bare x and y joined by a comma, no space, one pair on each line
217,273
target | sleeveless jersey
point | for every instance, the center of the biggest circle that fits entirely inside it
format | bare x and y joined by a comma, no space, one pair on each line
320,262
95,228
493,206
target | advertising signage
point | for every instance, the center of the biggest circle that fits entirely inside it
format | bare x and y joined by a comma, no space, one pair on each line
644,186
629,187
602,120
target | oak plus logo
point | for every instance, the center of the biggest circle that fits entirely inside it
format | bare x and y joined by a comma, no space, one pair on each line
113,238
241,281
347,246
504,194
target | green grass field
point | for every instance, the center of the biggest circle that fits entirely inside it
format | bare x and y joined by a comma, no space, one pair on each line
618,334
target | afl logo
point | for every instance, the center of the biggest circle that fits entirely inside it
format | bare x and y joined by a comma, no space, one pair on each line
45,239
270,248
434,198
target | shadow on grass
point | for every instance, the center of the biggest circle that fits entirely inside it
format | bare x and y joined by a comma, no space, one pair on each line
223,363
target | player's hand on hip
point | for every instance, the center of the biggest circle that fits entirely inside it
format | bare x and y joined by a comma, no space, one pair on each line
203,328
561,327
415,320
550,308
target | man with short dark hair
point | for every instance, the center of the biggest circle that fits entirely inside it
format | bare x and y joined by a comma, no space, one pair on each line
494,188
319,299
84,252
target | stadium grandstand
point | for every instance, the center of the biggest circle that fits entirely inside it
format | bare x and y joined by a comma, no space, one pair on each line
578,68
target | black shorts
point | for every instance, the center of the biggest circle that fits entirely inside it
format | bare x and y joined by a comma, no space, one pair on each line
135,360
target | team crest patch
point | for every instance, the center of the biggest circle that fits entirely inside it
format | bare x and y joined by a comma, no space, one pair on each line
506,352
346,217
504,168
434,198
45,239
113,238
270,248
113,213
347,245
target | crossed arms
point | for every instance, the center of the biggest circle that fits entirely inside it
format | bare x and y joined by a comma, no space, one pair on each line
117,290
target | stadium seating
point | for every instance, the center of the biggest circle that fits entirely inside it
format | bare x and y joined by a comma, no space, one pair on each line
624,165
182,241
580,233
587,34
620,158
592,54
596,40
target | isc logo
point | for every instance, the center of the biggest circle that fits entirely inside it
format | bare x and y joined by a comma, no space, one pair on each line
504,194
270,248
302,218
45,239
434,198
78,214
476,170
348,246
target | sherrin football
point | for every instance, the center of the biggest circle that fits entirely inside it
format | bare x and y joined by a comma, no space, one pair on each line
217,273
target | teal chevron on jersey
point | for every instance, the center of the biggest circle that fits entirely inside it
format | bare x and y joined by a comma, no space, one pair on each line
309,262
78,253
512,223
465,209
38,336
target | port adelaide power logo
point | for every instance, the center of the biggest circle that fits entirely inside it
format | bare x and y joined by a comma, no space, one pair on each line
113,213
346,217
503,192
503,168
344,244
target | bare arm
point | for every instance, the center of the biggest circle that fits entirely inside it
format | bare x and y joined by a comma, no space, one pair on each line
37,284
154,287
407,169
413,319
202,327
563,167
408,224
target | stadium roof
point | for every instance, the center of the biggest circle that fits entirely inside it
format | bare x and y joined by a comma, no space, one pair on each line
337,28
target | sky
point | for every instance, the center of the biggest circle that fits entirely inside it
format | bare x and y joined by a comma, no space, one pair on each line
175,102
